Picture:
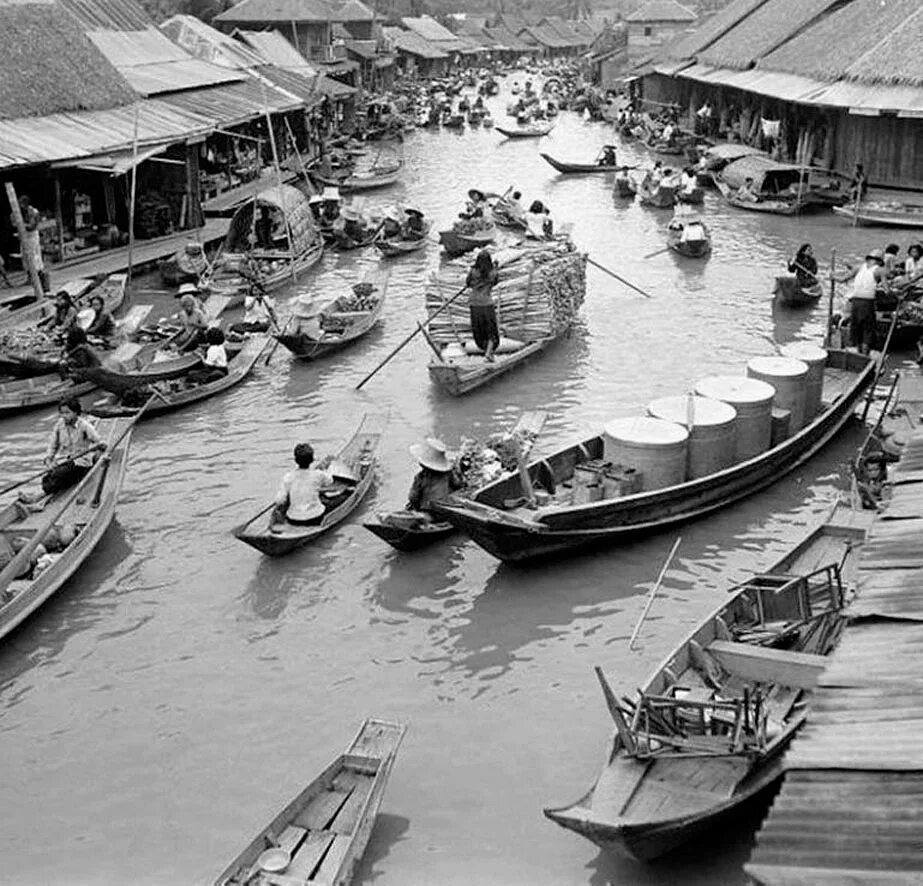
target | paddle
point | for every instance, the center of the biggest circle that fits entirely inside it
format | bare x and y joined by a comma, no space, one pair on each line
657,252
275,343
417,331
650,599
15,566
41,473
622,280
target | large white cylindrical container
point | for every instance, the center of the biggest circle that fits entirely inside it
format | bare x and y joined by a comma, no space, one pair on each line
789,378
712,426
753,401
657,449
816,359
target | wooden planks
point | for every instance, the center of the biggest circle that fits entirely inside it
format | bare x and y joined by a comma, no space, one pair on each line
333,861
309,855
322,809
348,817
765,665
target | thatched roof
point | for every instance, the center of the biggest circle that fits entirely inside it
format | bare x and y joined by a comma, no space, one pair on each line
49,65
766,28
712,29
874,41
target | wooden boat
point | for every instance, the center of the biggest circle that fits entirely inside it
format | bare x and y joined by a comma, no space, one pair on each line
708,730
411,531
177,393
21,364
337,325
526,132
625,187
398,247
460,374
21,308
358,461
298,247
25,394
783,189
694,197
662,198
773,205
455,243
790,293
138,365
885,215
320,836
689,236
88,507
377,177
574,168
519,534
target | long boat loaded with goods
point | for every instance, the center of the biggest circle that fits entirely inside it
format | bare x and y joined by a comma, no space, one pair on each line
540,291
690,455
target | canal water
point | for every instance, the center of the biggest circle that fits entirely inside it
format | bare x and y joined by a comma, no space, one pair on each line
182,688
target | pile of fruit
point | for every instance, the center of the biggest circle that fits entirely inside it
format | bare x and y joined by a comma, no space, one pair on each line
478,463
469,226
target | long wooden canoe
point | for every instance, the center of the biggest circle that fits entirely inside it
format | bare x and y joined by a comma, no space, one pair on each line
25,394
575,168
396,247
359,456
377,177
455,243
177,393
884,215
90,513
21,308
320,836
790,293
531,132
310,339
707,731
700,247
772,205
519,534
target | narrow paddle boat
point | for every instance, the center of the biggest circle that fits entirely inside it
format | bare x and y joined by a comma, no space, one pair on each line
689,236
707,732
456,242
578,168
396,247
525,132
790,292
76,519
353,469
319,837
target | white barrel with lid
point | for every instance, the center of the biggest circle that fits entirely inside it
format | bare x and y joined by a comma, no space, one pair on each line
816,358
655,448
712,433
752,399
789,377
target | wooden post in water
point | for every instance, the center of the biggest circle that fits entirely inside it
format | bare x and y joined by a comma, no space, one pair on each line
20,223
829,337
275,161
133,199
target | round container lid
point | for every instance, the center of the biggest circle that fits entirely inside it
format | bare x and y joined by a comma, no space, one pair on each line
646,431
704,411
736,389
805,351
778,367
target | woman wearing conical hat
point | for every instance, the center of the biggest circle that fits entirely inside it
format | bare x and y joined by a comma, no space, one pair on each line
437,478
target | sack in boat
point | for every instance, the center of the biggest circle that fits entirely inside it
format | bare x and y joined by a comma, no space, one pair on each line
506,346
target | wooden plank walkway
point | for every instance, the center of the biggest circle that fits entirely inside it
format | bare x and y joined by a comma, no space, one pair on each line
851,802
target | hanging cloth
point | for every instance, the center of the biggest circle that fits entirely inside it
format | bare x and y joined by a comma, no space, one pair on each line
771,128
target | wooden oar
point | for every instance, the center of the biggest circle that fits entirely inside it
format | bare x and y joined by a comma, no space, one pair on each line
622,280
275,343
657,252
650,599
41,473
17,564
417,331
829,336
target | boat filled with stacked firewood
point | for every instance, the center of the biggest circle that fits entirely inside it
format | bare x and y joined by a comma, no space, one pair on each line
539,292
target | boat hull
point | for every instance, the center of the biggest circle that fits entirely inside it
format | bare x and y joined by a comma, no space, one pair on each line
458,244
570,529
881,218
576,168
460,379
407,539
792,295
524,133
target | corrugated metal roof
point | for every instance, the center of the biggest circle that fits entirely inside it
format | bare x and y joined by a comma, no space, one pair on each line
412,44
122,15
275,49
210,45
163,77
662,11
233,104
287,11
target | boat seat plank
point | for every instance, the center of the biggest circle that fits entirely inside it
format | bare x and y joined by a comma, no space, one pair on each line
320,811
309,855
330,866
616,784
291,838
348,816
765,665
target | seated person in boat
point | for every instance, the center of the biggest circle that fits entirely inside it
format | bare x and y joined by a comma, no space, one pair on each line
608,157
688,181
514,206
215,361
413,228
390,227
746,192
893,265
331,211
259,311
298,500
539,224
77,352
480,282
102,325
437,478
913,266
65,313
351,226
263,229
476,205
668,135
804,266
71,448
316,202
194,323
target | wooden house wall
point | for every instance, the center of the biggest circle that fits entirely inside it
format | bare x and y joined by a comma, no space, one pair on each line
890,148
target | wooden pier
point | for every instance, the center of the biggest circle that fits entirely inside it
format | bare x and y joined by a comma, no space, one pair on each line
851,803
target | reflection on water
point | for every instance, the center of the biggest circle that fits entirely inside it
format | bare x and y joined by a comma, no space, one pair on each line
182,683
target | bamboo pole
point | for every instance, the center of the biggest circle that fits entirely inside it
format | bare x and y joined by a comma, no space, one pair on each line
18,220
133,198
304,169
622,280
829,337
283,201
654,589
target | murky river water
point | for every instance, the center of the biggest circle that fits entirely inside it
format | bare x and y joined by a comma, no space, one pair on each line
182,688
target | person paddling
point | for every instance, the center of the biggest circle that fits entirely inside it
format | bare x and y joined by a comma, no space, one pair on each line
71,448
298,499
804,266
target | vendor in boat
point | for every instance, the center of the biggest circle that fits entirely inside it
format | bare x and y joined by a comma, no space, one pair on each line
514,206
480,282
316,202
263,229
194,323
866,278
78,354
215,361
804,266
65,313
437,478
913,266
331,209
350,223
688,181
893,265
259,311
607,157
390,227
102,325
477,204
298,499
413,228
746,192
539,224
71,450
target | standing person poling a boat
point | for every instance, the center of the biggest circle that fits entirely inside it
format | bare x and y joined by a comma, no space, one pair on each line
298,501
437,478
71,448
480,282
804,266
866,278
